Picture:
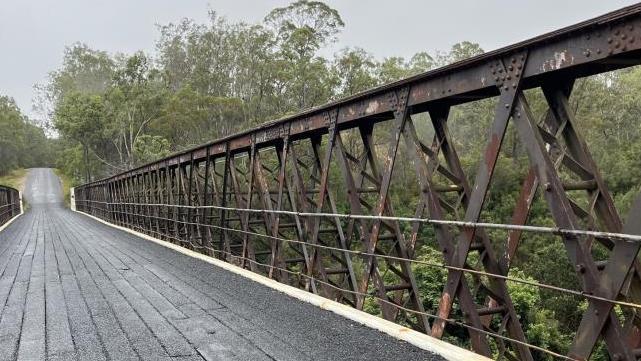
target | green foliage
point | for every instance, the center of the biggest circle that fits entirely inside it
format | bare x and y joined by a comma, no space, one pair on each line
543,330
14,179
355,70
150,147
430,277
81,117
308,25
22,144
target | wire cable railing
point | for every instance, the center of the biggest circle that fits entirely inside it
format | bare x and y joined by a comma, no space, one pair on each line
367,295
463,224
123,214
393,258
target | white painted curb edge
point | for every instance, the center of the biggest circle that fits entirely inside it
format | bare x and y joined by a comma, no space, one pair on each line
14,218
72,198
21,203
420,340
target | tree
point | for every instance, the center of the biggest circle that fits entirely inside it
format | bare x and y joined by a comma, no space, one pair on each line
309,24
302,29
83,70
11,136
354,69
132,104
80,117
459,51
148,148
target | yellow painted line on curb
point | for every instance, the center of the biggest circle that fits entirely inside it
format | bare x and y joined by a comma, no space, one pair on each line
420,340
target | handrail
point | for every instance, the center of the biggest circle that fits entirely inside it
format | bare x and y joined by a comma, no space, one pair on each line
9,203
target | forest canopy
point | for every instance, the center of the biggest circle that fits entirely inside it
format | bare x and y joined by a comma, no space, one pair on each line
23,144
205,81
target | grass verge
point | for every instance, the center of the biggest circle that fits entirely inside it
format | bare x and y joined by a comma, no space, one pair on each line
14,179
66,183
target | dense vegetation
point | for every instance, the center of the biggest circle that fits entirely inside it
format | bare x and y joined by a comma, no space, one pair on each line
112,112
22,143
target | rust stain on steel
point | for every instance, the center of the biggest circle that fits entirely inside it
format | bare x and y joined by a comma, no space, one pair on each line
491,151
559,59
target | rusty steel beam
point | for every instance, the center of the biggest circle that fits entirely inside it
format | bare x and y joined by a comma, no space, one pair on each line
343,155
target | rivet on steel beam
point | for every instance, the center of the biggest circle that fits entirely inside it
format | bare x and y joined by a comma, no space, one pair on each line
587,53
630,27
598,51
507,105
580,268
631,39
511,68
509,77
616,357
609,40
596,312
616,32
623,36
500,70
506,87
513,60
548,186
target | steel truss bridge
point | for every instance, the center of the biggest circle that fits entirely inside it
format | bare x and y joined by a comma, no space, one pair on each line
306,200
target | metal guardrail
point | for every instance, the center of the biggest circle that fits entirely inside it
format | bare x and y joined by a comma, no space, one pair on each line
267,199
9,204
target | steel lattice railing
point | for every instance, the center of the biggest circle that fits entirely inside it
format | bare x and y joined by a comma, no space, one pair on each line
312,200
9,204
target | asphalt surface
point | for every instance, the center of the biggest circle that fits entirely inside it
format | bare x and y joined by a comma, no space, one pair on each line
72,288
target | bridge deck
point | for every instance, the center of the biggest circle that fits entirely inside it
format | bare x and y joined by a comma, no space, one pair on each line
73,288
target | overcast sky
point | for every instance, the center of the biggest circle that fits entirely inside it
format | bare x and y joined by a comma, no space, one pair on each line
34,33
